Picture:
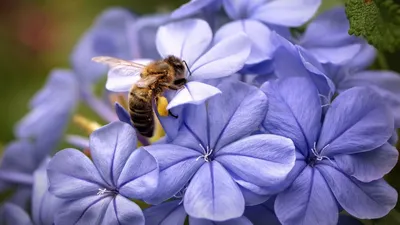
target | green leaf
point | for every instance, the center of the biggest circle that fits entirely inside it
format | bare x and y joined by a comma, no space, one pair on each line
378,21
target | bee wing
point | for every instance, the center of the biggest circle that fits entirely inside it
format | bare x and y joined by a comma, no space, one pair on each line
146,81
115,62
122,74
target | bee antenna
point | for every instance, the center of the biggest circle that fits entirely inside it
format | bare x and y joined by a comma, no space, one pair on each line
187,67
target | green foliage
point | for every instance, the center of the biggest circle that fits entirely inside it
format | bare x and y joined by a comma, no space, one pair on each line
378,21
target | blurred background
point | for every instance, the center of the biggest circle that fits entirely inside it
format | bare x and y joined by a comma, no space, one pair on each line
38,35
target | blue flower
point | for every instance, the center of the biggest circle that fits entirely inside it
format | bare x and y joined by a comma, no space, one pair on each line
11,214
20,159
43,205
191,40
51,109
109,35
214,154
264,214
328,40
101,190
173,212
340,161
292,60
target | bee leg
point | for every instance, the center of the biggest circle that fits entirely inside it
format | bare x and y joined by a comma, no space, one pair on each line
170,113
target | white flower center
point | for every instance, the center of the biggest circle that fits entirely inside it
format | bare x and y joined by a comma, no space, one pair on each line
207,153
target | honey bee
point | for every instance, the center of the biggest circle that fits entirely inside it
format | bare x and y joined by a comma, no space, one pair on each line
155,78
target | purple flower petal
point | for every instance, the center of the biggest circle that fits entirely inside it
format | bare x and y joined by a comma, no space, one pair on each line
222,60
364,58
213,195
122,211
72,175
194,93
263,160
122,114
294,111
261,49
233,120
192,130
307,201
362,200
385,83
177,165
356,121
77,141
139,177
286,12
165,214
240,9
251,198
371,165
44,204
237,221
110,148
11,214
186,39
336,55
327,37
108,36
87,210
191,8
302,64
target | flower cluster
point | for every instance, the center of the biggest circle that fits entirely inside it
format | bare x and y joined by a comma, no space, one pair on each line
274,125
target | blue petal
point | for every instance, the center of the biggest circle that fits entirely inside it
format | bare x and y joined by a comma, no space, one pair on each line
286,12
110,148
77,141
221,59
48,118
177,165
307,201
13,162
327,37
186,39
194,93
191,8
252,198
356,121
394,139
87,210
145,30
213,195
165,214
123,211
11,214
293,61
240,9
44,204
237,221
139,177
233,121
170,124
108,36
261,49
72,175
193,131
262,214
263,160
294,111
371,165
364,58
100,107
385,83
122,114
362,200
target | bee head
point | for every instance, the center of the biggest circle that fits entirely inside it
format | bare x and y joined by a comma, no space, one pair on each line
178,66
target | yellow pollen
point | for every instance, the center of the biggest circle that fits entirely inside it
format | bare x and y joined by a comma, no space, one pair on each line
162,104
84,123
158,131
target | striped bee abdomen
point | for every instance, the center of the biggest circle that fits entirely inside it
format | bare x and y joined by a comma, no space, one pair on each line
141,111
